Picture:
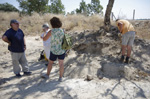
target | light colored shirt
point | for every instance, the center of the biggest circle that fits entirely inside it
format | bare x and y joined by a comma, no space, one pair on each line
48,41
127,26
56,41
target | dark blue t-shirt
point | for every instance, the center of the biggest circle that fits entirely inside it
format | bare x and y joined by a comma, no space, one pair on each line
17,40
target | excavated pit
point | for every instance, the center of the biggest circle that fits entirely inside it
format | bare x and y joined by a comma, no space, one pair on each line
97,53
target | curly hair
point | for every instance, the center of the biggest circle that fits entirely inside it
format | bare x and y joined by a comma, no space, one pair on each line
55,22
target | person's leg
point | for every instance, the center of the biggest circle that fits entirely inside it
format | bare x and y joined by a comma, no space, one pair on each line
49,68
52,58
124,46
15,62
124,49
129,48
24,63
123,53
129,45
61,68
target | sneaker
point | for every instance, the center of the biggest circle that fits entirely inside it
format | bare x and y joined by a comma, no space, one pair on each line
27,73
60,79
45,76
18,75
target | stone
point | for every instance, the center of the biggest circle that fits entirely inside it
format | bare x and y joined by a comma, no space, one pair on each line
89,77
113,70
37,39
108,34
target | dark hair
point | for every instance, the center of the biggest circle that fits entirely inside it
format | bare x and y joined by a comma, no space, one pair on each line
55,22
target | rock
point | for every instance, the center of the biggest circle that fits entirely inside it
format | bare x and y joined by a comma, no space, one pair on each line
108,34
89,77
137,76
113,70
102,32
70,65
118,51
37,39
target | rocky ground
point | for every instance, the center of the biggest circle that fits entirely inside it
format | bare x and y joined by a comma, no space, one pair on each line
92,70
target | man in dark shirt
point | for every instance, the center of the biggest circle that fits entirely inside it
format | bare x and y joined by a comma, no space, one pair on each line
16,45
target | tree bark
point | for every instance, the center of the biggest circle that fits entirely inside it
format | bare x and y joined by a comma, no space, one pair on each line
107,22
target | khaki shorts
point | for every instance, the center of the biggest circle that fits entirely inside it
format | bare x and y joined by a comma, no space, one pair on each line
128,38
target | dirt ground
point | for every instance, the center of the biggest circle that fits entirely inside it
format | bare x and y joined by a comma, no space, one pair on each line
92,71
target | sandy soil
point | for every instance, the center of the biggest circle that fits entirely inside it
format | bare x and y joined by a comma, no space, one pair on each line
93,55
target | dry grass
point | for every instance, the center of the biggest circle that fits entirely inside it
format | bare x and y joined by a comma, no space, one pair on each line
32,25
142,28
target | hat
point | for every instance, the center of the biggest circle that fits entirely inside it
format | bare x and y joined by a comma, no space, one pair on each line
13,21
45,25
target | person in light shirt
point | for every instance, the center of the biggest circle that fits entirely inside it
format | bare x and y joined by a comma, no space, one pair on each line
47,43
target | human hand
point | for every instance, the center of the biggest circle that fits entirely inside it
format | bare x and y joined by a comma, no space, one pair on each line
24,47
9,43
119,34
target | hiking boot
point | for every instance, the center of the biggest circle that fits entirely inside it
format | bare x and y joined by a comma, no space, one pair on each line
127,60
27,73
18,75
60,79
122,59
45,76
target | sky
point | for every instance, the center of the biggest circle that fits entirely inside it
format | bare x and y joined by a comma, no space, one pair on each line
121,8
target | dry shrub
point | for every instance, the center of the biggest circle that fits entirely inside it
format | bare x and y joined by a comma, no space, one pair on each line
32,25
81,22
5,18
142,28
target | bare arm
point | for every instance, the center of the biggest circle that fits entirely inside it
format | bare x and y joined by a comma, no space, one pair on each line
120,27
47,36
5,39
42,36
24,43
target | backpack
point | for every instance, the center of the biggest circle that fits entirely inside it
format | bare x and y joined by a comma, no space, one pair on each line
67,42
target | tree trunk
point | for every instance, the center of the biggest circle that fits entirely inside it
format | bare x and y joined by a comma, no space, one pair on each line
107,22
